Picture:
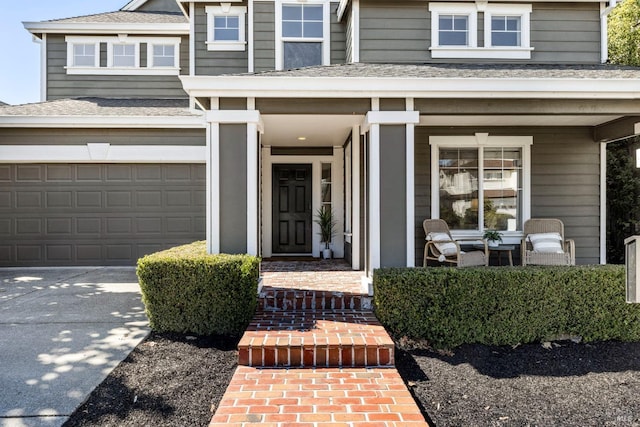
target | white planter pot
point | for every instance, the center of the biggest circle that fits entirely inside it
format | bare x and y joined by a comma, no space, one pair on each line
326,253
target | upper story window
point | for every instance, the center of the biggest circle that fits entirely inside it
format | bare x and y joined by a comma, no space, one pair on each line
454,30
120,55
162,55
123,55
226,27
84,55
302,34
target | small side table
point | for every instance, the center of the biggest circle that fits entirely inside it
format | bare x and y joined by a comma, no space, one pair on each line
499,250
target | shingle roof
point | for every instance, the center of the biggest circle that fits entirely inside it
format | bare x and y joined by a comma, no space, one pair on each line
126,17
463,71
101,107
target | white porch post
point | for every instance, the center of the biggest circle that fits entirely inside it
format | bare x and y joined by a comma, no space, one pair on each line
251,118
374,197
213,188
252,183
372,123
411,230
355,198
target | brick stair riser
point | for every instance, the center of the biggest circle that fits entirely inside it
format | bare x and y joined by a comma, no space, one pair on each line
316,356
297,301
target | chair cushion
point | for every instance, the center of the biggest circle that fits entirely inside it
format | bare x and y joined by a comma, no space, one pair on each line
446,249
546,242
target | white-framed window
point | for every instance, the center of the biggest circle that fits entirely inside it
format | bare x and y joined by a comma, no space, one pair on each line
85,54
226,27
162,55
506,30
453,26
302,34
122,55
481,182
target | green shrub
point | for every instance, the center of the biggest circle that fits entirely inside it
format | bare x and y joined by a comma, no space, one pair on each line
186,290
504,305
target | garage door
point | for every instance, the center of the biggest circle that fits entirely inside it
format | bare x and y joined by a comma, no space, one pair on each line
97,214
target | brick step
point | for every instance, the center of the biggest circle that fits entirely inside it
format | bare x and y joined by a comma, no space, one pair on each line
318,338
329,396
271,299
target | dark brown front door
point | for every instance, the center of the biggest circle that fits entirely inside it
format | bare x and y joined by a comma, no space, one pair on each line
292,214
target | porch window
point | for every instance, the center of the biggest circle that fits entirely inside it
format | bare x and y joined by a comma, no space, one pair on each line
226,27
303,35
478,186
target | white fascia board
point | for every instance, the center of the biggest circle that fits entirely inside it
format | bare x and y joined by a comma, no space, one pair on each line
162,122
103,153
106,28
367,87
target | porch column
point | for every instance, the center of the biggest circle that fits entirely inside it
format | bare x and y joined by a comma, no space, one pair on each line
232,176
389,204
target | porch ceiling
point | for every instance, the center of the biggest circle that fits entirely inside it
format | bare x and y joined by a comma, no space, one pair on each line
325,130
319,130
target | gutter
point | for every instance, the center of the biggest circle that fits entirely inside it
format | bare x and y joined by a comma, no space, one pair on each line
604,38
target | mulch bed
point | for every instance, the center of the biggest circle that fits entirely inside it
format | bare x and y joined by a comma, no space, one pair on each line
172,380
168,380
555,384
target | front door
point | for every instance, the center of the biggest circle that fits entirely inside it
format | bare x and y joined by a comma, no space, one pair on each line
292,214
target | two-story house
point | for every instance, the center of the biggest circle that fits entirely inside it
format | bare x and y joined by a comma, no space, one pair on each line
175,120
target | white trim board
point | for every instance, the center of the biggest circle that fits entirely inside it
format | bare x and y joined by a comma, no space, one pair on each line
134,122
102,153
371,87
105,28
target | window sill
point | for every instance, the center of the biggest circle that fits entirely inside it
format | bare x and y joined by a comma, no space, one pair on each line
154,71
226,46
481,52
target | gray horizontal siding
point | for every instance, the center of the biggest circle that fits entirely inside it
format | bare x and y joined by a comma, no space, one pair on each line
401,33
337,38
565,182
397,31
32,136
264,35
62,85
216,62
160,6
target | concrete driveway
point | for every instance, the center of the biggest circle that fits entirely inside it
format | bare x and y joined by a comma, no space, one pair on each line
62,330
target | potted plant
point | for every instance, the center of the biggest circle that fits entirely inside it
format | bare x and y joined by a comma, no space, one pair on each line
493,237
324,218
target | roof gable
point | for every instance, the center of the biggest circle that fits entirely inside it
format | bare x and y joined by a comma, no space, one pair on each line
152,6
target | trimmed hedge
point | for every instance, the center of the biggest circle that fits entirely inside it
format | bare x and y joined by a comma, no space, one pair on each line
505,305
186,290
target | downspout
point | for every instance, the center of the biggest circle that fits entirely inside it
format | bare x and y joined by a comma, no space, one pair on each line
604,39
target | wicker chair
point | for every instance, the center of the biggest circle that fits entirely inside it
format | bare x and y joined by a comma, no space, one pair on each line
433,248
546,225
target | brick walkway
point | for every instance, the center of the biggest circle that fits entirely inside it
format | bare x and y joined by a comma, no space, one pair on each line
315,355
